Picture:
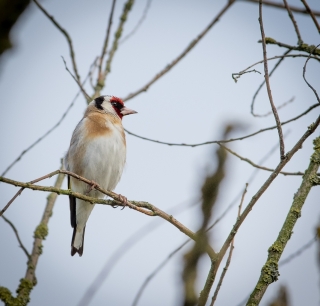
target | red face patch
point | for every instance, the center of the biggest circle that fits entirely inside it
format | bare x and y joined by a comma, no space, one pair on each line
117,105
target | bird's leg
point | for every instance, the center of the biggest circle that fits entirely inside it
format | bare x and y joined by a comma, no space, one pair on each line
124,200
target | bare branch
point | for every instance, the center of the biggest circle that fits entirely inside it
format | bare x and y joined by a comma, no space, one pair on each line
269,272
281,6
66,35
105,44
141,20
215,295
266,76
295,25
182,55
102,77
224,141
17,236
312,14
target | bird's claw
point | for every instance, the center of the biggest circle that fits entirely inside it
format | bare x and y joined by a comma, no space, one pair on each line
124,200
93,185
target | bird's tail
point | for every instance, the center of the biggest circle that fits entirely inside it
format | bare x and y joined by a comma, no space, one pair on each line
77,241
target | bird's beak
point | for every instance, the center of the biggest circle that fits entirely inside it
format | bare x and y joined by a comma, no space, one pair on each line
127,111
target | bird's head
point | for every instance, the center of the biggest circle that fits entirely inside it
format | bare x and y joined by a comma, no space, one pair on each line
112,104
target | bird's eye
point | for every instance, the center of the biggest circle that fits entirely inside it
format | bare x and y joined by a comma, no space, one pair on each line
117,105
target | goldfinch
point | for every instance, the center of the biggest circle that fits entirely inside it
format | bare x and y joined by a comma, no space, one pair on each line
97,152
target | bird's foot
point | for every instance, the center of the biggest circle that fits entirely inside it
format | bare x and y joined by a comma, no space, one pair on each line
124,200
93,185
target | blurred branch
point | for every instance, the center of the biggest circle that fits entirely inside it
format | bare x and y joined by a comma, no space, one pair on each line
182,55
141,20
10,11
281,6
53,128
143,207
266,76
312,14
215,295
282,298
295,25
304,47
257,166
66,35
102,77
17,236
269,272
224,141
210,190
29,281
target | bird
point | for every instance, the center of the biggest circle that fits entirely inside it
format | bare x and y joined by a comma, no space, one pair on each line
97,152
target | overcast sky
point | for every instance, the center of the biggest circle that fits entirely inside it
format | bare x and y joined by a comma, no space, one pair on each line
191,104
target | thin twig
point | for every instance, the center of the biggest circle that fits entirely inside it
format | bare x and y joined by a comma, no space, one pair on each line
215,295
66,35
281,6
237,76
141,20
105,44
223,141
257,166
272,58
312,14
266,75
182,55
295,25
17,236
261,85
88,98
304,76
51,129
